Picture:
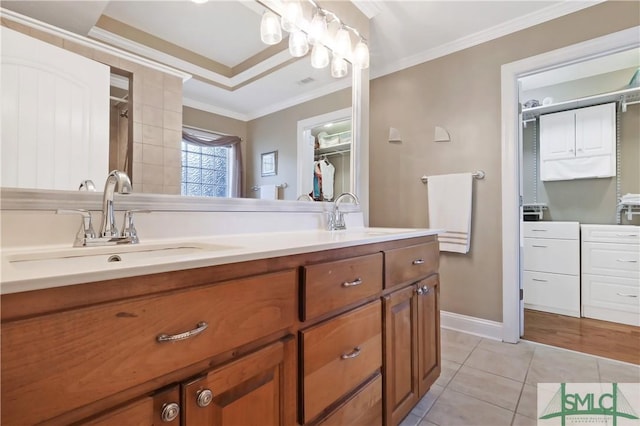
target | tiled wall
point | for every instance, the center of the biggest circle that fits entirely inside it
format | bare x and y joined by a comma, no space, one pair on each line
156,116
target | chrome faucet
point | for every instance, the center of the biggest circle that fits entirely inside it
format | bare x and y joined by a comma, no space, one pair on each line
336,217
116,181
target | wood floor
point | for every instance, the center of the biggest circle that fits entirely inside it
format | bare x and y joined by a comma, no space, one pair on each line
602,338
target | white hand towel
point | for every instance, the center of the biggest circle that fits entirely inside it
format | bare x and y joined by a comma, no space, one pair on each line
268,192
450,198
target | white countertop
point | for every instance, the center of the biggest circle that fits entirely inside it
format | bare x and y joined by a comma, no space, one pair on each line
35,268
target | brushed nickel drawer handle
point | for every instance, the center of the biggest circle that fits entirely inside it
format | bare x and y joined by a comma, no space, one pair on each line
626,260
539,230
627,295
353,283
538,246
200,327
626,235
539,280
418,262
354,353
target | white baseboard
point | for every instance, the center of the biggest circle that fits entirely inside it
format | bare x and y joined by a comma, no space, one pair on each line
472,325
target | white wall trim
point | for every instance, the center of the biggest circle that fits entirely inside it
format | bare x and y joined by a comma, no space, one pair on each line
471,325
94,44
511,235
514,25
204,106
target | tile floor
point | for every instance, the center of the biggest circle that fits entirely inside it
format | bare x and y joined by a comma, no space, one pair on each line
486,382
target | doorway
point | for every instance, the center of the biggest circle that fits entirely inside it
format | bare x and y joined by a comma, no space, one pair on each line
512,160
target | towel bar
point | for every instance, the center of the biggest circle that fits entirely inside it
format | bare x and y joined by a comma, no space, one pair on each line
282,185
479,174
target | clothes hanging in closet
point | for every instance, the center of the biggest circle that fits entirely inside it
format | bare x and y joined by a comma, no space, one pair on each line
323,173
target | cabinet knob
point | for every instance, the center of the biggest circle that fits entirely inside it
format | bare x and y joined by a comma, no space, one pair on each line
418,262
204,397
170,412
424,290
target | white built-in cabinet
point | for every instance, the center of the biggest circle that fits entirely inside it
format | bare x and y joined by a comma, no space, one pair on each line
578,143
611,273
551,267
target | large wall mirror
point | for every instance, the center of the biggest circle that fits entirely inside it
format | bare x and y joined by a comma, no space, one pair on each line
237,85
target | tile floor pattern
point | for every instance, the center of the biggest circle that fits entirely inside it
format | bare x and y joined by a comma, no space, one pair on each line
489,383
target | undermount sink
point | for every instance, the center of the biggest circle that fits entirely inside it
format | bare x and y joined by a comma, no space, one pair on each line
77,257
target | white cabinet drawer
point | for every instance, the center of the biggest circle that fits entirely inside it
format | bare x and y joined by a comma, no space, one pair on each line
611,298
619,260
611,234
555,293
555,256
561,230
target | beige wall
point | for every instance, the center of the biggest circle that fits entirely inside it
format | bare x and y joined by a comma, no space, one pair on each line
278,131
461,92
156,115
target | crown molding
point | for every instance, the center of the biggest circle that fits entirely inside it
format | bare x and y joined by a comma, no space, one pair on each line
370,8
203,106
501,30
93,44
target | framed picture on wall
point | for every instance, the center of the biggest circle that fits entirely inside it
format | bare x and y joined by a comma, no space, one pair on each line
269,163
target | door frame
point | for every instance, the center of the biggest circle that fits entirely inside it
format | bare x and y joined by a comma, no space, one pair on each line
511,147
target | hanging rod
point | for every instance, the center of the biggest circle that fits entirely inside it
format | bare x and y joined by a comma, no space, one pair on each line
478,174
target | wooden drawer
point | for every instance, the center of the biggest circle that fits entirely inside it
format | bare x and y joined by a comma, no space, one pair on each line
555,256
561,230
408,264
364,408
626,234
68,356
338,355
555,293
332,285
620,260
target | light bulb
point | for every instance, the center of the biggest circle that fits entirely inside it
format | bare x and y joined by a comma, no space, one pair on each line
317,28
319,56
343,43
291,16
361,55
270,32
338,67
298,45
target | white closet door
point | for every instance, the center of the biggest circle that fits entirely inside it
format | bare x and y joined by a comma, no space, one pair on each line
557,136
596,130
55,115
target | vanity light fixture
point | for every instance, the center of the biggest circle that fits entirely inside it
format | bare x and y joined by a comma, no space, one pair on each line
304,33
270,32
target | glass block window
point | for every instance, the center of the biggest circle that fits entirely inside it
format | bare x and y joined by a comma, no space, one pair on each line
205,170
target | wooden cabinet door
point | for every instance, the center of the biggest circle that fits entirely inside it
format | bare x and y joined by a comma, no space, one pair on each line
163,408
255,390
428,333
400,354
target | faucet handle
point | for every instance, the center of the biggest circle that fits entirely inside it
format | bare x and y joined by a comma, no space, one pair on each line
128,229
86,231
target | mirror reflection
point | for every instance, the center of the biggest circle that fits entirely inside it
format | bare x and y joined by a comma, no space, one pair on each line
236,86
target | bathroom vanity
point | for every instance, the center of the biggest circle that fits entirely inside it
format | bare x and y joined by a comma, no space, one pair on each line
309,327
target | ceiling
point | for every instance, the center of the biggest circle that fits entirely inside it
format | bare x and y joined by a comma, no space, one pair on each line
236,75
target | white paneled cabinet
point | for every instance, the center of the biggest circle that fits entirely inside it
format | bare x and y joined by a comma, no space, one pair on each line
579,143
611,273
551,275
